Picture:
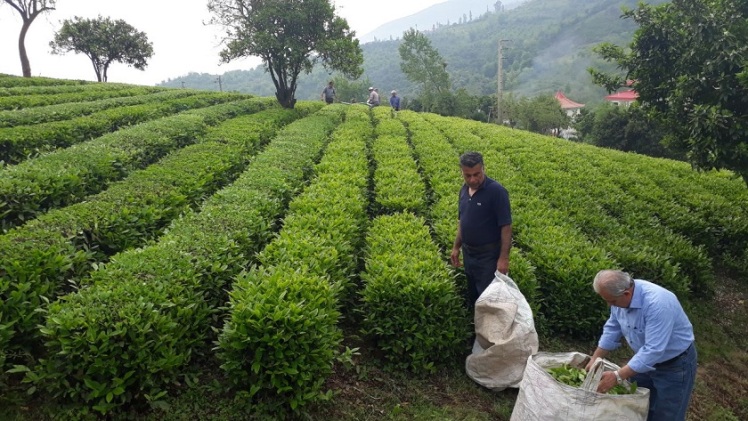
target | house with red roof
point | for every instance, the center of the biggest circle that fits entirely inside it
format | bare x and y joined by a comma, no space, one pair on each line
572,108
623,98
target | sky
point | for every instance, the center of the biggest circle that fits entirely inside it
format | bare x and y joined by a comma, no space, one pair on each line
181,42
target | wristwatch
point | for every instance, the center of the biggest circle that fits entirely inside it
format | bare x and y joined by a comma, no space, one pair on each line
618,377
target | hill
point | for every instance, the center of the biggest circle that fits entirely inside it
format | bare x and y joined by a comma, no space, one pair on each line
438,15
549,49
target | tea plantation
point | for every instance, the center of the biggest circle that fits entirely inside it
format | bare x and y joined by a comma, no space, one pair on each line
148,231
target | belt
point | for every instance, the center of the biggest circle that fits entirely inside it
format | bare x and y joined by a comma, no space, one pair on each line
672,360
484,247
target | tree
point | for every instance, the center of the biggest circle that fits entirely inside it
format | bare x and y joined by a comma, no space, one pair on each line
104,41
290,36
351,91
29,10
688,62
540,114
624,128
423,65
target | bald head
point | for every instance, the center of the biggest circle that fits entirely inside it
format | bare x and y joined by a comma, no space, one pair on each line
613,282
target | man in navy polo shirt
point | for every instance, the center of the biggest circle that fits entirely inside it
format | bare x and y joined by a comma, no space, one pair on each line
484,231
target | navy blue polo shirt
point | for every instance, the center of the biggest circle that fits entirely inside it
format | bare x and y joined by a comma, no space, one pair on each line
482,215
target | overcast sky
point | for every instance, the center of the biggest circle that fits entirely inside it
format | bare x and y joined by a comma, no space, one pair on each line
181,42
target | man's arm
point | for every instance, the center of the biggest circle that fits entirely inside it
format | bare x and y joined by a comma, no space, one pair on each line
455,256
502,265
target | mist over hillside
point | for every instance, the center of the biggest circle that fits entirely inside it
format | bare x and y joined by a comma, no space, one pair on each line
439,15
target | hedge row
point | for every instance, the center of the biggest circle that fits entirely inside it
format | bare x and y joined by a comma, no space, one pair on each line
11,81
440,167
410,307
281,336
611,217
701,207
398,186
565,260
8,88
16,102
126,215
67,111
67,176
22,142
142,317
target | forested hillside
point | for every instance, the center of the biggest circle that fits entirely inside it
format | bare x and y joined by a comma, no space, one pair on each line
438,15
549,48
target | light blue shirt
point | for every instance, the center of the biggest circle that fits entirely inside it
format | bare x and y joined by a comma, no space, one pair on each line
654,325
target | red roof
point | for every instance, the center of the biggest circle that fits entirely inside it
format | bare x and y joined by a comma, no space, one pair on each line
566,103
623,96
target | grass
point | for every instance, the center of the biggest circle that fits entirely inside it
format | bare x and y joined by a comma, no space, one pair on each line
363,390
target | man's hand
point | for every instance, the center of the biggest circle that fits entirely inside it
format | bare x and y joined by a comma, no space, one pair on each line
502,265
455,257
607,382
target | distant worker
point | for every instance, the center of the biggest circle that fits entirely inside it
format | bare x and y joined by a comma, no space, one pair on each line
328,94
395,101
373,100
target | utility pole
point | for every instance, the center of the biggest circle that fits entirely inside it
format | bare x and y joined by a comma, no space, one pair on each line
500,83
220,84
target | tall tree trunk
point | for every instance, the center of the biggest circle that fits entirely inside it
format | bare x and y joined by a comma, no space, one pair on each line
285,97
25,65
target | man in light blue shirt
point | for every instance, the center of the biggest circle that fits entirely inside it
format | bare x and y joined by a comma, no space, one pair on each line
655,326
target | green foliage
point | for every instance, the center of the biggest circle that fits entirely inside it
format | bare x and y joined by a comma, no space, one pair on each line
687,60
186,275
422,64
103,41
565,260
23,142
20,97
128,335
540,114
550,49
67,176
627,129
438,161
351,91
279,343
568,375
78,238
395,168
574,377
324,256
15,82
65,111
410,306
290,37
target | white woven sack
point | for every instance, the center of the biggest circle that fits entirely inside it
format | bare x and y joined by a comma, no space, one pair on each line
504,336
542,398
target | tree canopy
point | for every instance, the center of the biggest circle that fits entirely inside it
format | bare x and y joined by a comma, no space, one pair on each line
540,114
290,36
422,64
688,63
104,41
29,10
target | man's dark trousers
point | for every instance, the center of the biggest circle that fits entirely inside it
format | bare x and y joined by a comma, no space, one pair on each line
480,269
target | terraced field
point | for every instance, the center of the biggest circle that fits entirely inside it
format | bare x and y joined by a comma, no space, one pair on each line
150,231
